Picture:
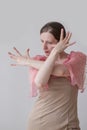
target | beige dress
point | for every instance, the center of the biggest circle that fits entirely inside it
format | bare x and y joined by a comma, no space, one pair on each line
55,108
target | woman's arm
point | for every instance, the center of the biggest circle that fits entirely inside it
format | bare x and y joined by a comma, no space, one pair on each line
25,60
47,69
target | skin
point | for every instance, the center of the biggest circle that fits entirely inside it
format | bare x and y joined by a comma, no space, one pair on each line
54,51
48,42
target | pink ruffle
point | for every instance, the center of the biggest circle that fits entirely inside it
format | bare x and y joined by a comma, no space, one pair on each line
75,62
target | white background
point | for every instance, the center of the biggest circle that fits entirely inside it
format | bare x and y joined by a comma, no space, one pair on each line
20,22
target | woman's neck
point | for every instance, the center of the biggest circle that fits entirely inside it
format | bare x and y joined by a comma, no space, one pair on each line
62,56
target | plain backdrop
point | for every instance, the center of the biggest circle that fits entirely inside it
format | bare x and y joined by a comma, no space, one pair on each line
20,22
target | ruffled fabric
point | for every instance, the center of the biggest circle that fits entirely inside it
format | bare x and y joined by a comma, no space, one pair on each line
76,64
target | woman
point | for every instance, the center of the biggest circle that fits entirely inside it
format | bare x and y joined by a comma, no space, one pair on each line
57,76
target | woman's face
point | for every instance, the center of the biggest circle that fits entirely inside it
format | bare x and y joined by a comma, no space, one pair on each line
48,40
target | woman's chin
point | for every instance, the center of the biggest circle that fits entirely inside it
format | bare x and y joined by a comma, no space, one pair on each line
46,54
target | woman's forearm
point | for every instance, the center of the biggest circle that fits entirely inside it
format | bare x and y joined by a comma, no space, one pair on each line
37,64
58,70
46,70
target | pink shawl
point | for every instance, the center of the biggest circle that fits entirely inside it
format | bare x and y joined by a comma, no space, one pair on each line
76,64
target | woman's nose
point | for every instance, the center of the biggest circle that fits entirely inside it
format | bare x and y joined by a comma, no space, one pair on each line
44,45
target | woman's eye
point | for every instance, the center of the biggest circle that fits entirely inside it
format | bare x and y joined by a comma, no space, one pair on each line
49,42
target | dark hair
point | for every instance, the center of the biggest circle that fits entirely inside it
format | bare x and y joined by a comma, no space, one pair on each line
54,28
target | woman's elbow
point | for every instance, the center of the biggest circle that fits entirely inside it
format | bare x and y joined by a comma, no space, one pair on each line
37,83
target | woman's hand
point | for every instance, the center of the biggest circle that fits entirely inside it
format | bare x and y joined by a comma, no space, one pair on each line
63,42
19,58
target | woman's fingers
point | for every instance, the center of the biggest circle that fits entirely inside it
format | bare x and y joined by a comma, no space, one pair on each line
62,34
13,64
11,54
70,44
17,51
19,59
13,57
67,38
28,52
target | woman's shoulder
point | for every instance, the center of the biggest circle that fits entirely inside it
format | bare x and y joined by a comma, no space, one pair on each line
76,57
77,54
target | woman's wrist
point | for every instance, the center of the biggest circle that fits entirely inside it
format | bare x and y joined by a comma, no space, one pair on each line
55,52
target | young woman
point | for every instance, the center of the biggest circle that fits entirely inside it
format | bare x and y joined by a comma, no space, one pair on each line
57,76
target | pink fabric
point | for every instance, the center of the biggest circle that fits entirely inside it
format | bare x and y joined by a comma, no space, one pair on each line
75,62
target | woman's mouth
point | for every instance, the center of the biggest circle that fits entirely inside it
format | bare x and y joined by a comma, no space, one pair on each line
46,51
